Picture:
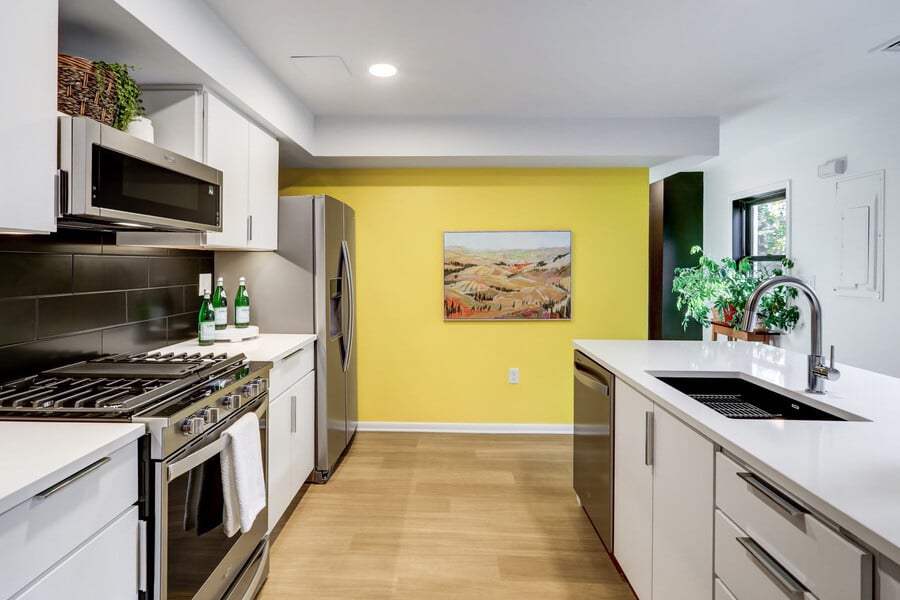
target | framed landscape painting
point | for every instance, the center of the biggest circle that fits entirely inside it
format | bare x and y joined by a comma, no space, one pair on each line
507,275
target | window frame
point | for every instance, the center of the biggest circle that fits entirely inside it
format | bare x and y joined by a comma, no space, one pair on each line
741,203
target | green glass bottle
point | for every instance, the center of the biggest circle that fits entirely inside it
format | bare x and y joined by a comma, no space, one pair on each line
220,304
206,322
242,305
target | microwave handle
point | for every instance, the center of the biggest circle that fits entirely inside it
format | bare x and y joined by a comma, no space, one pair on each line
62,192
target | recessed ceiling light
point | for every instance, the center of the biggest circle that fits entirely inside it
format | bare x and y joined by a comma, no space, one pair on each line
383,70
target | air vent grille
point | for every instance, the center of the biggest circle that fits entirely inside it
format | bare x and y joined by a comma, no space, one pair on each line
892,45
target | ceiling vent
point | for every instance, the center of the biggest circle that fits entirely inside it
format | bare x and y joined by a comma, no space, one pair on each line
321,62
892,45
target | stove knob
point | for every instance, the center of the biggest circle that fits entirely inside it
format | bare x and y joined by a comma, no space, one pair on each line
262,382
232,401
250,390
210,415
192,426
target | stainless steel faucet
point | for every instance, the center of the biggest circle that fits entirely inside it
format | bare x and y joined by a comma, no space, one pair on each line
818,370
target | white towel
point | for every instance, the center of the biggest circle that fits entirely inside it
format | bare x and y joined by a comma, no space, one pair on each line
243,481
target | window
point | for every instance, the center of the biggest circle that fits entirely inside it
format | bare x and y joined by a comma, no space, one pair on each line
760,225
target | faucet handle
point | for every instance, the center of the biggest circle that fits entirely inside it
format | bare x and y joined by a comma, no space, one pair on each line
829,372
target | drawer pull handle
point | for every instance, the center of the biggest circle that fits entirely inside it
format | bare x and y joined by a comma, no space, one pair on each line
771,497
293,354
768,565
649,434
71,479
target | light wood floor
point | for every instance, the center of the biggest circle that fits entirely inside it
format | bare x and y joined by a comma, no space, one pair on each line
421,516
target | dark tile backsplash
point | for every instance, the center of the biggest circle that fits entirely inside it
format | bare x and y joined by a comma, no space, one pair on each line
96,273
75,295
180,270
34,274
157,302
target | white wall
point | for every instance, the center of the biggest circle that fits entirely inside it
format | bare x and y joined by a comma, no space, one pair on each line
866,333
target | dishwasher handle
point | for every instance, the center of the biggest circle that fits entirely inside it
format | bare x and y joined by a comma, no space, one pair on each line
590,382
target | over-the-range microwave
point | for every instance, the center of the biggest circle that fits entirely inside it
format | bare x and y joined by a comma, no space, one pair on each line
112,180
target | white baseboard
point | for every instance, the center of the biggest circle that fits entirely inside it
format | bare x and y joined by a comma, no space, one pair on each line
553,428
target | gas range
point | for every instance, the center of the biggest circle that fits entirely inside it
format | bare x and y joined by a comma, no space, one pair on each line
186,401
177,395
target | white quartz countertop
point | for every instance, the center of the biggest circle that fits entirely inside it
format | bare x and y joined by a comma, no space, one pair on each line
36,455
267,347
848,471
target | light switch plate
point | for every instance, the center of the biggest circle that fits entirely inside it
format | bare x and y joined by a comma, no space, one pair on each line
514,375
204,283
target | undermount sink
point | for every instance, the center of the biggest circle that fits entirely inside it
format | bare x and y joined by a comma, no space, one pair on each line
737,398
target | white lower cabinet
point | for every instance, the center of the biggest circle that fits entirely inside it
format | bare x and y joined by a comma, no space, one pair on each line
43,530
279,453
663,501
104,567
291,443
781,540
682,511
633,490
748,571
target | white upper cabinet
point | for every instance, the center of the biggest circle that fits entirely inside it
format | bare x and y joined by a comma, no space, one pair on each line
28,38
227,150
262,196
197,124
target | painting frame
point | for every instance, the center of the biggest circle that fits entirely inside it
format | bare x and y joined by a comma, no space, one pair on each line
542,274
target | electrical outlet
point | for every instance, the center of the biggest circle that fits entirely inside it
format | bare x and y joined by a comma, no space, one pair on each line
204,283
514,375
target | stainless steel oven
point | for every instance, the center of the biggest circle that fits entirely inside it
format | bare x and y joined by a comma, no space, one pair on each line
195,559
185,401
111,179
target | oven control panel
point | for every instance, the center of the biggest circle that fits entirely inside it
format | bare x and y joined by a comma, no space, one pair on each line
210,415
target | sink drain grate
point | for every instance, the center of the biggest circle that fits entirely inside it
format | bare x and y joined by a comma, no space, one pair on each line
732,406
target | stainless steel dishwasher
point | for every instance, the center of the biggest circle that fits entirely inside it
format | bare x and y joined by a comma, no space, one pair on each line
593,444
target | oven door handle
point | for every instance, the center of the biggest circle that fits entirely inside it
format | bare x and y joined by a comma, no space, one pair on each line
195,459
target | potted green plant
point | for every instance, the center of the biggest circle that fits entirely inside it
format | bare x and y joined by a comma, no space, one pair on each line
725,286
128,93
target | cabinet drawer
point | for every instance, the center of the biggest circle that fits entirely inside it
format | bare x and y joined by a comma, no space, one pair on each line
37,533
722,592
288,371
105,567
825,562
746,578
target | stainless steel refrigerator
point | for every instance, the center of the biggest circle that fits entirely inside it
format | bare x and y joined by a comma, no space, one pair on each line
307,285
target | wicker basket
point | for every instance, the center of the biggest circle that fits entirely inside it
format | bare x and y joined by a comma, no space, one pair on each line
78,90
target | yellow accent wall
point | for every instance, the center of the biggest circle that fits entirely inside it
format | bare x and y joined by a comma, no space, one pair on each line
415,367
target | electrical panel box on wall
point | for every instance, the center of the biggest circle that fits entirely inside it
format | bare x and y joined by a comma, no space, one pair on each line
860,230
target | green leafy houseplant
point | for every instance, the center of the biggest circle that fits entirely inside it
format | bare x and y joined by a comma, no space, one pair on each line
726,285
128,92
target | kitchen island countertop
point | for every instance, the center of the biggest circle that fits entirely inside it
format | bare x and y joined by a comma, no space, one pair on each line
847,471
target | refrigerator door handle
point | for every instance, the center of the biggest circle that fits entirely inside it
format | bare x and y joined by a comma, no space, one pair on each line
351,299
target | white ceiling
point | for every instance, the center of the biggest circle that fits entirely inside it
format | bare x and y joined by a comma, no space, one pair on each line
562,58
510,82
